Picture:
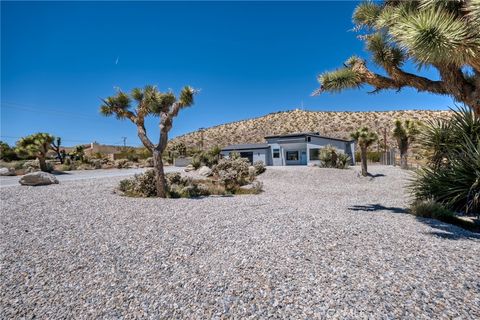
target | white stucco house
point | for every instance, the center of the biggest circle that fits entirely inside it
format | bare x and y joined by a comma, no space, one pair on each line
291,149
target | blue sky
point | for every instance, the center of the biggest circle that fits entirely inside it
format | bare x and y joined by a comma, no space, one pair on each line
248,59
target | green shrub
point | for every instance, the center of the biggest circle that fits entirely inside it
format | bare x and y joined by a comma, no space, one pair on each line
259,167
452,177
34,165
233,172
372,156
343,161
196,162
330,158
430,209
178,186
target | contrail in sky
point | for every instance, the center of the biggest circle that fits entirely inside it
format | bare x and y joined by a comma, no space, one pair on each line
116,61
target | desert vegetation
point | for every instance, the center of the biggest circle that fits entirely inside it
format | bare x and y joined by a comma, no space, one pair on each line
229,176
452,176
405,134
364,138
443,35
332,124
150,101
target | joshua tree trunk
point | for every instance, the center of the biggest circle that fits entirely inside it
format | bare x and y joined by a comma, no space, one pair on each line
42,163
160,181
363,155
403,160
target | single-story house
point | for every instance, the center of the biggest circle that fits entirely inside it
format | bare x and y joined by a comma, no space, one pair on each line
291,149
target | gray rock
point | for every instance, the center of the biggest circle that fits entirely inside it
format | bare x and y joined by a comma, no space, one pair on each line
7,172
38,179
205,171
189,168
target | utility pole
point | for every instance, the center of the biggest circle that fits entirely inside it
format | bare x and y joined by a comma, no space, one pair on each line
124,142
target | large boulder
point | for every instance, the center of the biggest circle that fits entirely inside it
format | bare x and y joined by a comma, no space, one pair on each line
38,179
7,172
205,171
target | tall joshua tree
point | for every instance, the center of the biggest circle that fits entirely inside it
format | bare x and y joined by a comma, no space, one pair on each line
36,145
150,101
56,147
440,34
405,134
364,138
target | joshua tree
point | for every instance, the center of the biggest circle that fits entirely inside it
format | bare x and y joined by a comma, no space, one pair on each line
150,101
364,138
56,147
36,145
440,34
78,153
405,134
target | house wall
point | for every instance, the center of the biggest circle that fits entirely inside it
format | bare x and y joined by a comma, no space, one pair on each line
340,146
263,155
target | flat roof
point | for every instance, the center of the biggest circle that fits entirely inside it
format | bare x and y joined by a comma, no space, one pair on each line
250,146
305,134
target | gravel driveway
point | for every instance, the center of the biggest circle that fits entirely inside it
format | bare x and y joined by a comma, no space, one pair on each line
318,243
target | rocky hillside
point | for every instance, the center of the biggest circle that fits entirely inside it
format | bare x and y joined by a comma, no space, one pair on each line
334,124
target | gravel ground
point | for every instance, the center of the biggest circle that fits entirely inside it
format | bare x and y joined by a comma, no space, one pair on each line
318,243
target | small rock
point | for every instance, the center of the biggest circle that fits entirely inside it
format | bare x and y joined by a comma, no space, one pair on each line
205,171
7,172
38,179
189,168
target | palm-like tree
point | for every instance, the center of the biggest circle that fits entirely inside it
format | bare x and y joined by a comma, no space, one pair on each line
405,134
56,147
150,101
36,145
439,34
364,138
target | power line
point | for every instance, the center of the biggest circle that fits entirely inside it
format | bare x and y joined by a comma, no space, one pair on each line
47,111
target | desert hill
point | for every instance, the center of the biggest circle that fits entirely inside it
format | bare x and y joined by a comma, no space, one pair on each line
333,124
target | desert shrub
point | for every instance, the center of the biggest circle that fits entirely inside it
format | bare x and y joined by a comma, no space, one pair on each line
34,165
206,158
259,167
121,163
452,177
196,162
372,156
66,167
178,186
233,172
435,210
148,162
96,163
343,161
430,209
330,158
255,187
7,153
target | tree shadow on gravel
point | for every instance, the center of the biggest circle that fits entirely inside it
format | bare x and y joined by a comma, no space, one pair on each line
448,231
377,207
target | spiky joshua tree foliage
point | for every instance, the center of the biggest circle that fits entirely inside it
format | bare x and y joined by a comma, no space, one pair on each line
36,145
405,133
364,138
441,34
150,101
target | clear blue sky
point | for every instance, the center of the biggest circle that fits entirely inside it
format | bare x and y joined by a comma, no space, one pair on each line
249,59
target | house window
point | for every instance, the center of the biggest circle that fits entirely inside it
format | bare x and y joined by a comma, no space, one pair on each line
276,153
292,155
309,139
314,154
